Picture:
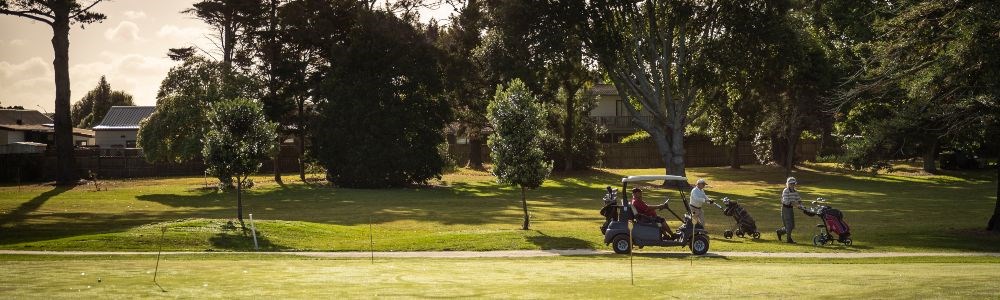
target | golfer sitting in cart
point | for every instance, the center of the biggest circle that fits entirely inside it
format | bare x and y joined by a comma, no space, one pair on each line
642,208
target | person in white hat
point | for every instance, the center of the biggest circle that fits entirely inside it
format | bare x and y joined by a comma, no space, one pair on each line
698,199
789,199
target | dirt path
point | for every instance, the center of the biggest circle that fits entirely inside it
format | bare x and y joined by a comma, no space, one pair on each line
527,253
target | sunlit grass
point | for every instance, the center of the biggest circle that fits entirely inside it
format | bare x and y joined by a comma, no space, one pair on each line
210,276
468,210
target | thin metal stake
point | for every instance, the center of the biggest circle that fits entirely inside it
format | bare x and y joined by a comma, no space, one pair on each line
631,269
253,230
163,232
371,239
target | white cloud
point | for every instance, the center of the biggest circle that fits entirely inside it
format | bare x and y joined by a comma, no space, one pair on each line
18,42
135,15
30,83
185,34
125,31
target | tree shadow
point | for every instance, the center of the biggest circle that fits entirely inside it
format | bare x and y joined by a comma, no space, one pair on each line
21,212
547,242
236,239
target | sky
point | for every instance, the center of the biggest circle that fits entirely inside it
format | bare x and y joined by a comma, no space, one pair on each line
129,48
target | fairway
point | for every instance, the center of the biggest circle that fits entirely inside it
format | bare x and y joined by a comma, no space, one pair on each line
906,211
238,276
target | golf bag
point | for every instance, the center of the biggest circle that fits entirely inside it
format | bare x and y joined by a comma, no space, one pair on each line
834,221
610,210
745,225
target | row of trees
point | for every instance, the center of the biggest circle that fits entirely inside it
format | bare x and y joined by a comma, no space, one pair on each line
365,84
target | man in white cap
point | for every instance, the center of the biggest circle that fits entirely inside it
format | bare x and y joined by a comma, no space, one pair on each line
789,199
698,199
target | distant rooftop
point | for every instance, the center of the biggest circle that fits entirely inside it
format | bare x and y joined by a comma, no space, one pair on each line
124,117
23,117
604,90
46,128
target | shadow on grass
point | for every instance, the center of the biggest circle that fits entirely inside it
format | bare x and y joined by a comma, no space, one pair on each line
237,240
547,242
21,212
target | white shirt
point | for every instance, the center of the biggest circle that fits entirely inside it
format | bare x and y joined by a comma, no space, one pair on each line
790,197
698,197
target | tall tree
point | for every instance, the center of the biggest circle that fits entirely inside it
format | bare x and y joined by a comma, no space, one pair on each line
239,137
232,20
464,82
544,40
939,59
175,130
379,103
313,33
90,110
60,15
652,52
517,119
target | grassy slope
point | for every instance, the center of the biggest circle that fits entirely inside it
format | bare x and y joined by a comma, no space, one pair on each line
589,277
468,211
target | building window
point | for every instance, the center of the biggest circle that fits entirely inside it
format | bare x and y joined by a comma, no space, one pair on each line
129,144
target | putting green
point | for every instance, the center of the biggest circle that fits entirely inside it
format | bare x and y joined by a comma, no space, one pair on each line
563,277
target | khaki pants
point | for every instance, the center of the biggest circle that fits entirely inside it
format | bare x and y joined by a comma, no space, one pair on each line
698,216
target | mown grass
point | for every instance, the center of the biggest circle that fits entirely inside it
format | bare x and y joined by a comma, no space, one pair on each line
904,211
562,277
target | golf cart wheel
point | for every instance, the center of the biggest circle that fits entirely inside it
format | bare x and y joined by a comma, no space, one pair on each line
728,234
848,242
756,235
700,245
818,240
621,244
740,233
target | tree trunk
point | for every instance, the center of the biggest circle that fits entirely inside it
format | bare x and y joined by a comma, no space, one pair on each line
790,156
734,159
277,167
300,131
524,204
568,128
63,127
239,200
475,152
930,155
676,166
994,224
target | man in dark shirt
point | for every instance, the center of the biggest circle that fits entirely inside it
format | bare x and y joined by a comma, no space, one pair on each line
650,211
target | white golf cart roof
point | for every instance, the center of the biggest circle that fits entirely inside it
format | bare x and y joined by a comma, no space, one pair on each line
639,178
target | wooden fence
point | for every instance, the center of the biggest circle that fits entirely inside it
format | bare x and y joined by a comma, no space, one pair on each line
118,163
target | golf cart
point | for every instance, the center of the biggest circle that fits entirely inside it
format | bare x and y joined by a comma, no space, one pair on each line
618,212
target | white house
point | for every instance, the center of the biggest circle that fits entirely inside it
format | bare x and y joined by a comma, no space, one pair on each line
120,126
19,125
612,113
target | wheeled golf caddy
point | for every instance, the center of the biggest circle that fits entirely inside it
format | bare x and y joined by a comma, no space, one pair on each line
833,222
646,231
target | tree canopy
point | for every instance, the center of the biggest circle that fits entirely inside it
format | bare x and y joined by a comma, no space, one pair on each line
90,110
381,102
517,120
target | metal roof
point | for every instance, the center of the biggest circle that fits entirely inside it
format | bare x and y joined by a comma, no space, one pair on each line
47,128
604,90
124,117
26,117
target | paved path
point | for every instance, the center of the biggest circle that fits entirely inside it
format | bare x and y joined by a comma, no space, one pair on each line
531,253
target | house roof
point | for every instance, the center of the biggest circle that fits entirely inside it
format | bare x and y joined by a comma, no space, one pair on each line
604,90
124,117
47,128
26,117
